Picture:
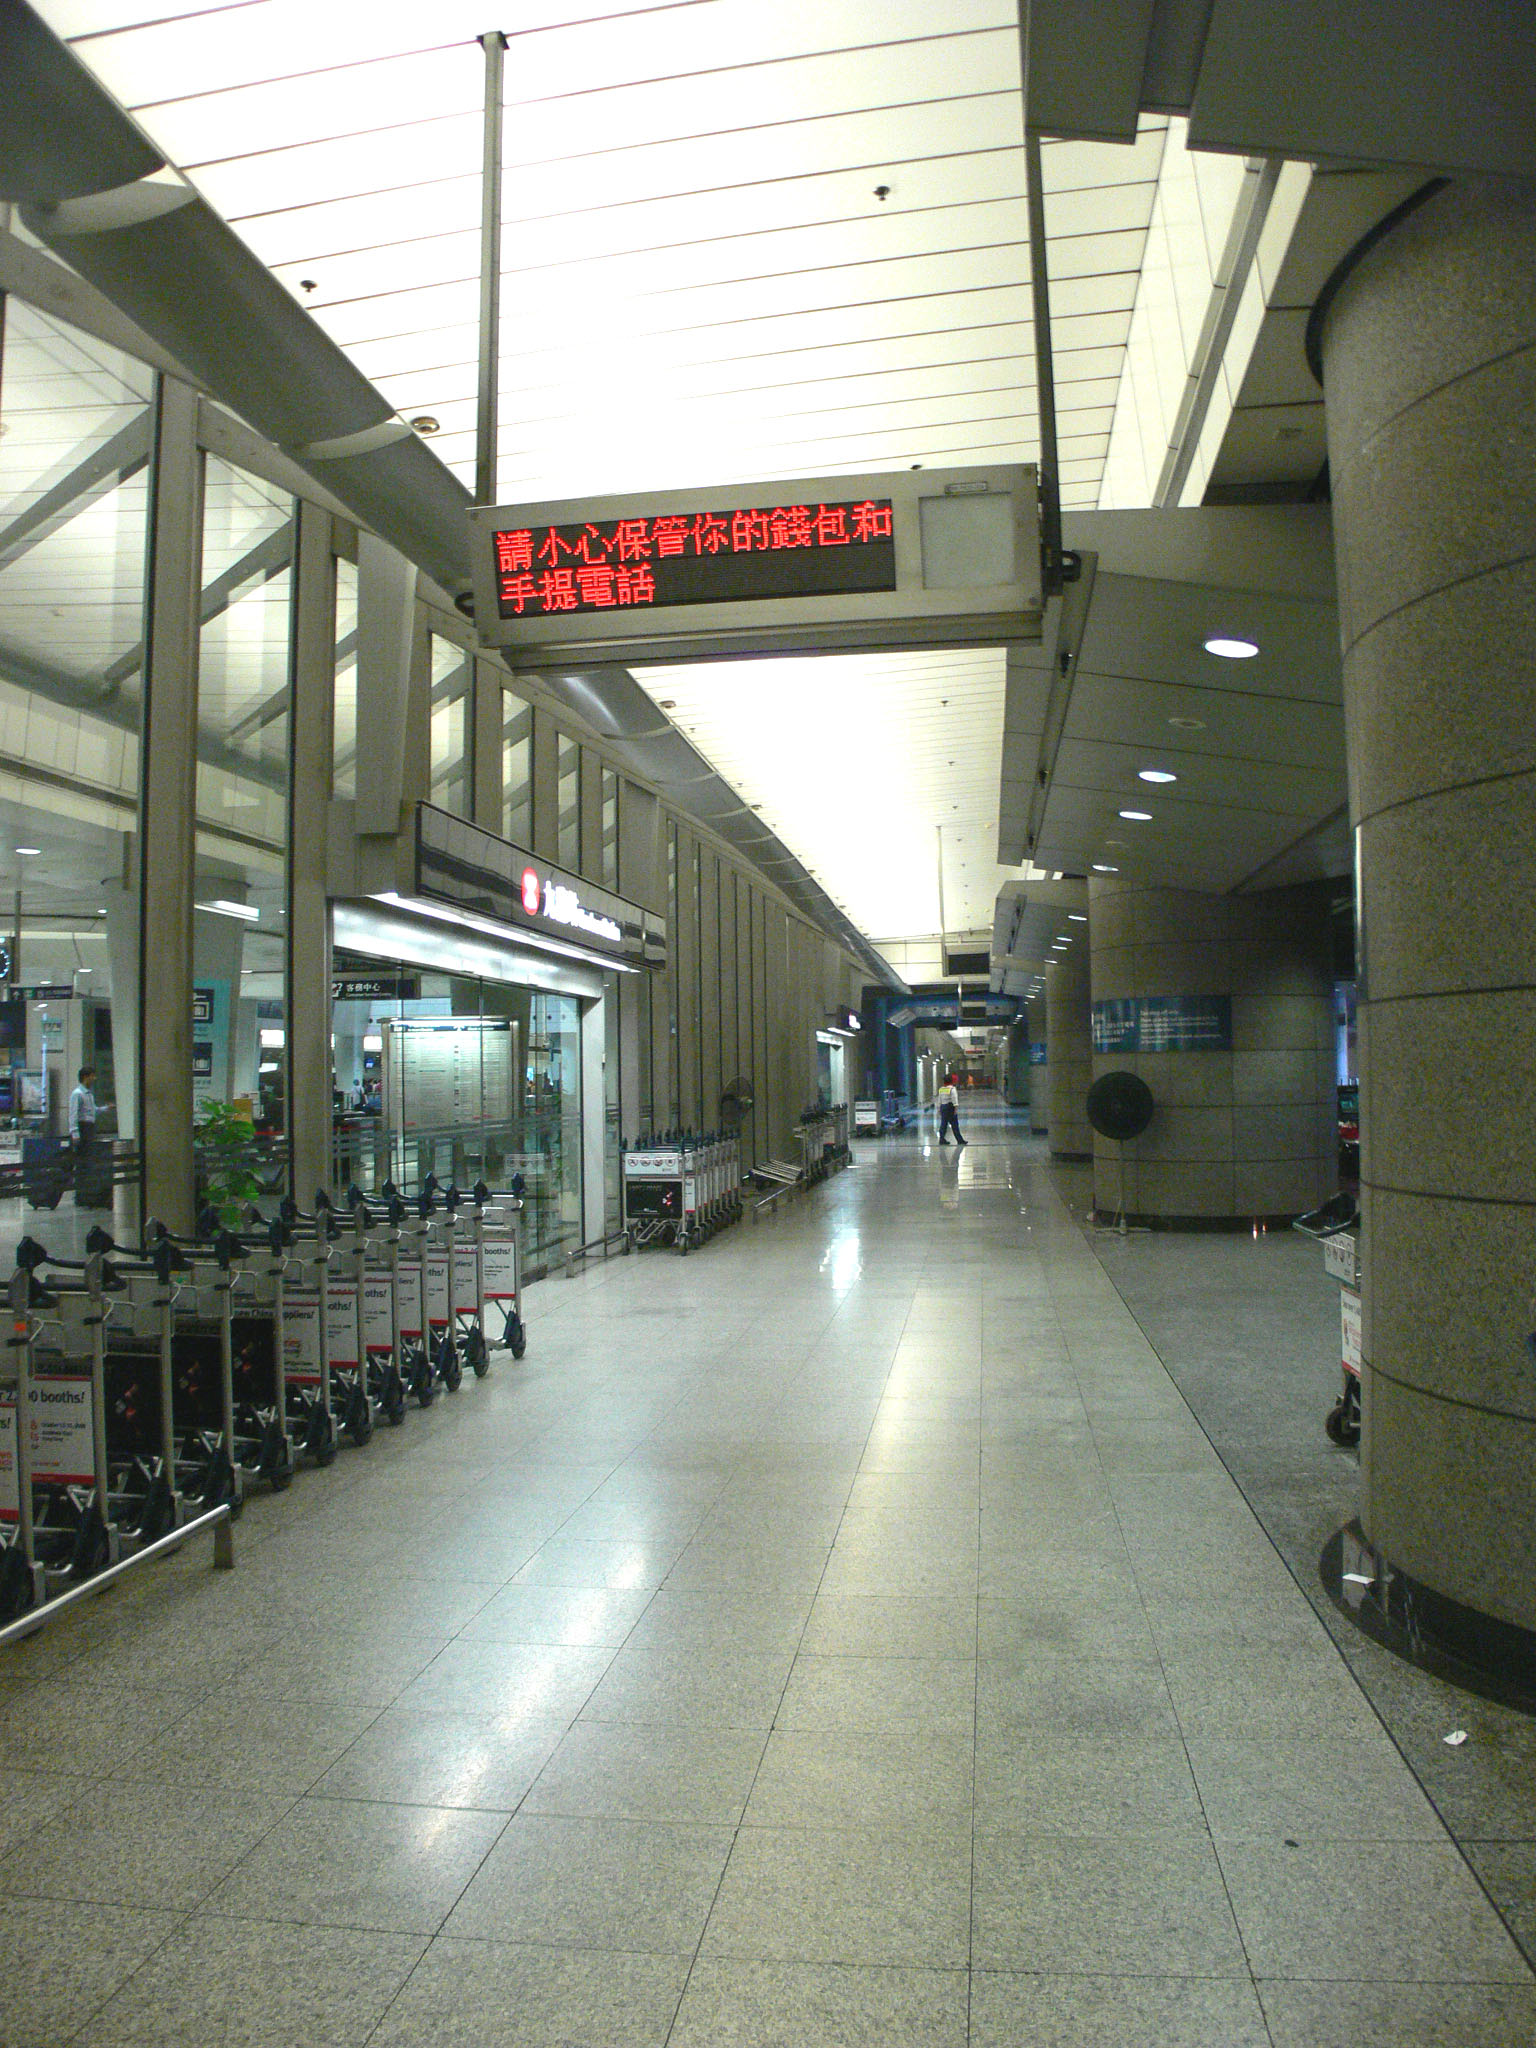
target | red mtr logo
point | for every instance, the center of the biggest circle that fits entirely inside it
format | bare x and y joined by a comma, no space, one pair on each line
533,895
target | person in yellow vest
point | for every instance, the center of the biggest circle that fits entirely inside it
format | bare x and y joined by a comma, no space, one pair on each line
949,1110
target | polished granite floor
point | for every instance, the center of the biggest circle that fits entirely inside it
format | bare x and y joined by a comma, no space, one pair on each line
845,1635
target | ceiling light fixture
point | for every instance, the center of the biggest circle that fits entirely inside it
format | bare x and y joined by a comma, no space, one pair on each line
223,906
1102,868
1231,649
1078,916
1138,817
1187,724
1156,775
424,423
29,849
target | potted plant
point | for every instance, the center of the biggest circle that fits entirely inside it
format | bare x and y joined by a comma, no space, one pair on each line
226,1138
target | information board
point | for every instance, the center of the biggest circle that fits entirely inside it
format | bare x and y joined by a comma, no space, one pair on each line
446,1074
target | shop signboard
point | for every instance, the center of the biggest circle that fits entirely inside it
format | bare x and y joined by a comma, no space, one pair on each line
909,557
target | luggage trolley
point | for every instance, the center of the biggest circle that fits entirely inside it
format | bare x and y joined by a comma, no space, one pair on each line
440,1277
1336,1225
322,1334
498,1252
405,1241
23,1574
374,1251
653,1192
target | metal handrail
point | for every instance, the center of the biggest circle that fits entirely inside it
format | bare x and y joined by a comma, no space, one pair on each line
217,1519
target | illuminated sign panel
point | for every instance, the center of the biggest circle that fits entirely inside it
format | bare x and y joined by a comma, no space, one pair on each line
487,877
695,558
940,557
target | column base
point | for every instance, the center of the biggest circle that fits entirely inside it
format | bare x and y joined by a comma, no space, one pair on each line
1136,1219
1494,1659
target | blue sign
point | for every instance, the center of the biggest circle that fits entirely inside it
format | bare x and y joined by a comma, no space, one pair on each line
1163,1024
1037,1054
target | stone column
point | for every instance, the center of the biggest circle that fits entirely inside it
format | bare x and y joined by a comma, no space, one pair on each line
1039,1070
1222,1004
1069,1053
1429,356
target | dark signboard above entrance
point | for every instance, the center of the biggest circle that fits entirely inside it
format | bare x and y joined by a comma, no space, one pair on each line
942,557
695,558
490,879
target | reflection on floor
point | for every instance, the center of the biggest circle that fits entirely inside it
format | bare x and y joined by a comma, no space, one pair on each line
844,1635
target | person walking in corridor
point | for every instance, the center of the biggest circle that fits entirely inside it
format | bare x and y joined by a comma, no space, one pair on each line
949,1110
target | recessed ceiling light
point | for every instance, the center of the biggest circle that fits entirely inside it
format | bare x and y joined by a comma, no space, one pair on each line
1138,817
29,849
1156,775
1231,649
1102,868
424,423
666,703
1188,724
1078,916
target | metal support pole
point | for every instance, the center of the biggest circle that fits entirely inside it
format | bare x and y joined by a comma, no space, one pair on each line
1045,375
495,47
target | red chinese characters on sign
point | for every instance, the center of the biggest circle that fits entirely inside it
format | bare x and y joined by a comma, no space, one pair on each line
602,566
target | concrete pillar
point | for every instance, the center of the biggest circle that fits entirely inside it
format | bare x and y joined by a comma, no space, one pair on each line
1069,1053
1039,1071
1429,355
1223,1005
1014,1079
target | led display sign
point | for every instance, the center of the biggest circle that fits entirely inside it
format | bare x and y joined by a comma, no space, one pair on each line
695,558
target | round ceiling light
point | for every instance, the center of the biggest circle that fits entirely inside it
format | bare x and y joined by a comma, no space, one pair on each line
1188,724
1156,775
1231,648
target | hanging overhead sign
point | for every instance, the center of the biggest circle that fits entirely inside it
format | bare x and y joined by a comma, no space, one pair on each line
949,556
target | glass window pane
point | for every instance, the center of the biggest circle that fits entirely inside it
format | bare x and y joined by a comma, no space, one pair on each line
516,769
452,672
610,862
239,924
344,741
568,796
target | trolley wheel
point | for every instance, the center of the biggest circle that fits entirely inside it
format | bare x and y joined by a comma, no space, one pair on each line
393,1400
517,1336
425,1388
1342,1427
275,1464
93,1546
359,1423
320,1438
16,1586
155,1521
476,1355
450,1365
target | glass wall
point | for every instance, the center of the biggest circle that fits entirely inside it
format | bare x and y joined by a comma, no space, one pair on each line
568,803
463,1078
452,690
245,658
516,769
76,419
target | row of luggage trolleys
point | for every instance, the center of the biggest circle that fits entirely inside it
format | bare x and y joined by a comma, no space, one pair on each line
681,1189
141,1388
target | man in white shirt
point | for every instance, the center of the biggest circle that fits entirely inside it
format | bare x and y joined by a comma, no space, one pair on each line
82,1115
949,1111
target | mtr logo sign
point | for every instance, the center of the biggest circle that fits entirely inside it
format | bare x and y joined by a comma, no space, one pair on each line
556,902
695,558
533,892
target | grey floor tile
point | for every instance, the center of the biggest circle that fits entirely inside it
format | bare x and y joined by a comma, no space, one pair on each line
1112,1906
1029,1781
599,1771
905,1693
443,1757
686,1686
890,1625
1508,1869
250,1984
1011,2008
762,1620
61,1961
91,1728
1350,2015
1074,1696
350,1863
850,1896
239,1742
1268,1788
1429,1920
30,1799
539,1681
491,1994
369,1667
609,1884
616,1563
573,1617
862,1780
771,2005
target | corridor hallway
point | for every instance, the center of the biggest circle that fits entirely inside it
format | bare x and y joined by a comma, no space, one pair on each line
842,1636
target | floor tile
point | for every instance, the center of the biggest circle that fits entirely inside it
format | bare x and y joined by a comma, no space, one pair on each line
879,1693
1351,2015
491,1994
1429,1920
239,1742
1009,2009
691,1774
61,1961
437,1756
350,1863
540,1681
610,1884
250,1984
1031,1781
861,1780
1111,1906
850,1896
771,2005
1268,1788
688,1686
573,1617
617,1563
890,1625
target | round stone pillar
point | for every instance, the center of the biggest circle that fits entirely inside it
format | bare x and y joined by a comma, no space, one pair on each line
1039,1071
1223,1006
1429,360
1069,1053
